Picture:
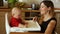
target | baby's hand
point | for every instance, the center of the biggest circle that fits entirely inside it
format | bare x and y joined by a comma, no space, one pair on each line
26,24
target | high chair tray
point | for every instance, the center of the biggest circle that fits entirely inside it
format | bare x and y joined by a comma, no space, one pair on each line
32,26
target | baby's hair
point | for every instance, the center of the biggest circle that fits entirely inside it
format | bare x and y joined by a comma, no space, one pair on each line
14,10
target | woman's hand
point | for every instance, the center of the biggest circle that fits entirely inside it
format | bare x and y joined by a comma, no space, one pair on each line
35,18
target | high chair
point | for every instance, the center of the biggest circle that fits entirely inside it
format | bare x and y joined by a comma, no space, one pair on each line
17,29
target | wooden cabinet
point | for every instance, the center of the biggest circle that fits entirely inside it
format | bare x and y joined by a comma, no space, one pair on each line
58,22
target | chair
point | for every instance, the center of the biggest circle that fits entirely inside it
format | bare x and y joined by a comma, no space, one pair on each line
56,33
17,29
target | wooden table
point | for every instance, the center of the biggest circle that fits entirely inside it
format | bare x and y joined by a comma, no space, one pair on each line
26,33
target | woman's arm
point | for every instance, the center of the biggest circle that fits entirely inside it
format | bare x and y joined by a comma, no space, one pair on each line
50,27
35,18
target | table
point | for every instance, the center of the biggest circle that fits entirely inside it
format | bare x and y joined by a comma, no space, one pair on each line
26,33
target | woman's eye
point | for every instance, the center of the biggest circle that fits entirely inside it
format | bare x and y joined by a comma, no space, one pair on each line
42,7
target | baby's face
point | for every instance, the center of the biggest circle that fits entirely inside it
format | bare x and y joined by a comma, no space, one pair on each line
18,14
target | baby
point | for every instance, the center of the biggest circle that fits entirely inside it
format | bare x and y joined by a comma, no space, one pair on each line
16,20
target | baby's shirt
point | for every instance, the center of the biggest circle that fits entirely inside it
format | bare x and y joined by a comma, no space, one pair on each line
15,22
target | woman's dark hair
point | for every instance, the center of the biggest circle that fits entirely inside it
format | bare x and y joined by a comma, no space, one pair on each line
49,4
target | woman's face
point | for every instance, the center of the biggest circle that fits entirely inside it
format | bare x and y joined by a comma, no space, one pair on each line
43,9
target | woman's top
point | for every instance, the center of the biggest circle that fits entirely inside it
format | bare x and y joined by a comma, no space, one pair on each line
45,24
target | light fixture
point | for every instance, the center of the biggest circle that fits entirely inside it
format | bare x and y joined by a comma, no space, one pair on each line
20,0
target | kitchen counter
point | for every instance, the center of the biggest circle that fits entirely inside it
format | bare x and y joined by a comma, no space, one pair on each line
23,10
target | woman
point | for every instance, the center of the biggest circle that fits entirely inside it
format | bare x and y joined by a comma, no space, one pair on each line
47,20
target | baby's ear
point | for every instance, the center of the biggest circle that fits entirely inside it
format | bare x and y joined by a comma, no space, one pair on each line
12,14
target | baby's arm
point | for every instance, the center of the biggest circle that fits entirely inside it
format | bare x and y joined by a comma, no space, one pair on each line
22,26
24,22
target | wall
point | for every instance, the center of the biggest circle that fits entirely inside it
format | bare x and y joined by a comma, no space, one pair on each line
56,2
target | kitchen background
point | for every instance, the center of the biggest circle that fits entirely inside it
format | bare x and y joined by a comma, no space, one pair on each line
6,5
